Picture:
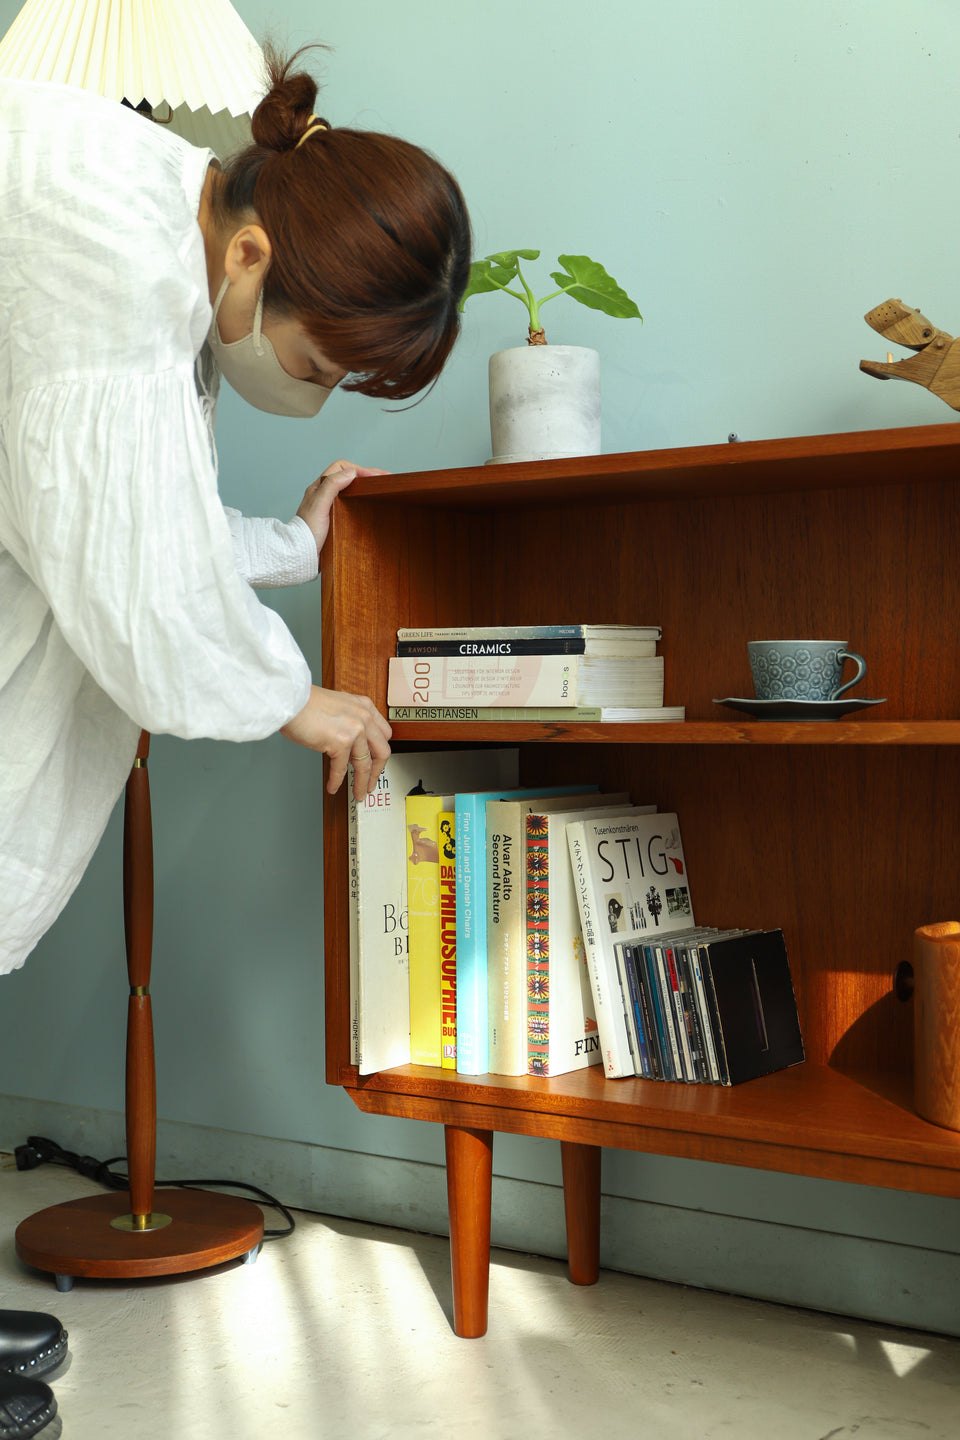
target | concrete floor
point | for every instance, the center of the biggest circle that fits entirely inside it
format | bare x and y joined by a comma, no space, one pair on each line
342,1332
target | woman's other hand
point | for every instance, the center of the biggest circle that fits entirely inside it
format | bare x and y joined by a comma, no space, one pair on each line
347,728
319,497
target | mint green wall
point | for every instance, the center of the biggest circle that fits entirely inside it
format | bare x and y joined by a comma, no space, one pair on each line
757,177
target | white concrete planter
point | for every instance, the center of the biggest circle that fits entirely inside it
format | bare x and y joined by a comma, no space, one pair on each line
544,402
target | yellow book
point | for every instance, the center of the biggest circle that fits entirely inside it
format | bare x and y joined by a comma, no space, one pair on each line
448,940
423,923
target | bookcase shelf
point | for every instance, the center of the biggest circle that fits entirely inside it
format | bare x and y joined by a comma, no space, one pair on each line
703,732
809,1120
839,833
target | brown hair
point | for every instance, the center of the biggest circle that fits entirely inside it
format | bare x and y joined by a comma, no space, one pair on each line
370,237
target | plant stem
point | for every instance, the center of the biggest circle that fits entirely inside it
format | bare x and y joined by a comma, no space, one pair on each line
531,302
507,291
554,294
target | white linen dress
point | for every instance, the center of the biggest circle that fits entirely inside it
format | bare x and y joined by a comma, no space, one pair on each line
122,602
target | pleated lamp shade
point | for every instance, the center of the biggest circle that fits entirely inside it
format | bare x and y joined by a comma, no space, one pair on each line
195,58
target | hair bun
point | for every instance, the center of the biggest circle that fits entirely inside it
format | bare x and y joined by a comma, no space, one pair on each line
285,111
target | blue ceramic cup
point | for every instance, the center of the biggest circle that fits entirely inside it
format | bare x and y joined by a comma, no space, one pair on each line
802,669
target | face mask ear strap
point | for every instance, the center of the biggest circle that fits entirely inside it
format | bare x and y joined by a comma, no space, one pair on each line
219,300
258,324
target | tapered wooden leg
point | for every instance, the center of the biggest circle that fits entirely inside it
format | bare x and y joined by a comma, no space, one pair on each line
581,1204
469,1186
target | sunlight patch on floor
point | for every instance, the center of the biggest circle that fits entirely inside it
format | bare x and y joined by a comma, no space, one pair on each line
902,1357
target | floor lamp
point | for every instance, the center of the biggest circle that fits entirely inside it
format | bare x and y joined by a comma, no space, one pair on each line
124,1235
132,52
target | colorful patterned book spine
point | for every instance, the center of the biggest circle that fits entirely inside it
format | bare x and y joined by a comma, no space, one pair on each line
506,960
538,944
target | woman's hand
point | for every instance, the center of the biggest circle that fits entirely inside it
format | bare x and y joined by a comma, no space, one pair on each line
347,728
319,497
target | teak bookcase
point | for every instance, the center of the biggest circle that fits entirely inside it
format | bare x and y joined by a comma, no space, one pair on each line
842,833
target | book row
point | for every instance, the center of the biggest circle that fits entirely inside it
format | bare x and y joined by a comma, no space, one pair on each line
565,672
497,929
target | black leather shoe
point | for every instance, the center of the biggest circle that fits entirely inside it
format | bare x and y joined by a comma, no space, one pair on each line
31,1343
27,1408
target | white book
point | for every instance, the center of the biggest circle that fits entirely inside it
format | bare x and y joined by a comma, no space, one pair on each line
630,879
524,680
380,994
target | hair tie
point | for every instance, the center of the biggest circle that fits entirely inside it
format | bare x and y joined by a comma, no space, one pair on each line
313,125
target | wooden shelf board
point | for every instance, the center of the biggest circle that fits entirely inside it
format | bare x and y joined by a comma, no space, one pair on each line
863,1126
796,463
689,732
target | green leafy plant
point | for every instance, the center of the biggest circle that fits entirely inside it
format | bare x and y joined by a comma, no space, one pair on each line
582,279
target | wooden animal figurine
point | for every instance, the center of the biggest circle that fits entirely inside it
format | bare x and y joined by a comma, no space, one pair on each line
422,847
936,366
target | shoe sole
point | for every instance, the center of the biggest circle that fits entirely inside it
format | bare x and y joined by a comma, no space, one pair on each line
49,1429
41,1364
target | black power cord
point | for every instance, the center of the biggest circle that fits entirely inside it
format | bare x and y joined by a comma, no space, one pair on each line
40,1151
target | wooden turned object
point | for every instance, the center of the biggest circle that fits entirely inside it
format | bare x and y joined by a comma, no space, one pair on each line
125,1235
138,934
936,1023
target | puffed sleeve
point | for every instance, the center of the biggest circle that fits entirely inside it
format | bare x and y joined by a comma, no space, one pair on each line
270,553
119,524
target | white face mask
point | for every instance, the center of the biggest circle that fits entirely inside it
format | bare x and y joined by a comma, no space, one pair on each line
252,368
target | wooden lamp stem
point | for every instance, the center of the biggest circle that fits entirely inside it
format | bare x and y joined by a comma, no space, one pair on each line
138,931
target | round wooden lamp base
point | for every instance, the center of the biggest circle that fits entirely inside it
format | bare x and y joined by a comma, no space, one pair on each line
195,1229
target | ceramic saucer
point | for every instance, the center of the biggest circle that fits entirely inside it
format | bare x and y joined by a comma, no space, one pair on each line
798,709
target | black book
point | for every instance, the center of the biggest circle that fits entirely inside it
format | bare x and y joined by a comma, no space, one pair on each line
752,1005
491,645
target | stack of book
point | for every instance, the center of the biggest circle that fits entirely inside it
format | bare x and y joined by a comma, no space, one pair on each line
516,931
529,672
